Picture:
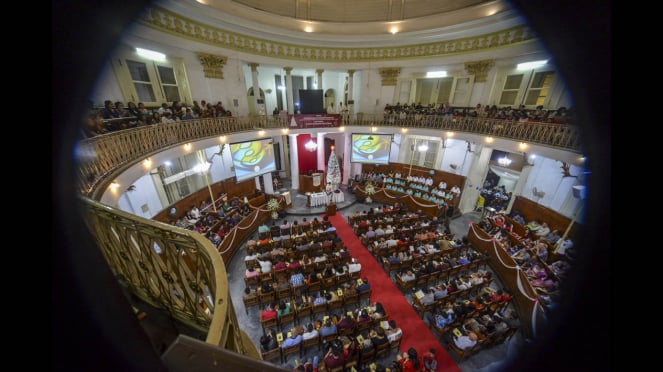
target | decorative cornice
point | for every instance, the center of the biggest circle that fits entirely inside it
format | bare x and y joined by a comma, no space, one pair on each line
173,23
212,64
479,69
389,75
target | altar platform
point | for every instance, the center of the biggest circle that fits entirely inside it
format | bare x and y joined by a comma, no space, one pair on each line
300,201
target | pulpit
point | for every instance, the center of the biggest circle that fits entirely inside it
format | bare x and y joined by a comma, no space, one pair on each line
331,209
313,183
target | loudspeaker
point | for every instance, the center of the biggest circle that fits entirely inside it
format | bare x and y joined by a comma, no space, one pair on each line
580,192
311,101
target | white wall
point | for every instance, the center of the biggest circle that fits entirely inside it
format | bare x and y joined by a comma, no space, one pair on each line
221,164
106,87
144,194
367,84
546,175
454,153
370,91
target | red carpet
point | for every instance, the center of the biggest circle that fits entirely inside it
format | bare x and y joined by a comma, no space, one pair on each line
415,332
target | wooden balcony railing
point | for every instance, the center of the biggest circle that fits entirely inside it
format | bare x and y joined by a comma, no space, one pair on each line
170,268
175,269
101,156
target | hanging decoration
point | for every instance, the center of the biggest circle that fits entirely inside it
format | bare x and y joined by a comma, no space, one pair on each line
273,205
370,190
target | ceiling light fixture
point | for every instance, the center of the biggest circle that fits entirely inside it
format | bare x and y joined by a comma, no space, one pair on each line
505,161
310,145
436,74
150,54
531,65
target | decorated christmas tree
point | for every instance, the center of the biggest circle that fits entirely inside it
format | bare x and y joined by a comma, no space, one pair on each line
333,173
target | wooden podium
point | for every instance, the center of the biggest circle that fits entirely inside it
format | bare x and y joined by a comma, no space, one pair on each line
331,209
312,183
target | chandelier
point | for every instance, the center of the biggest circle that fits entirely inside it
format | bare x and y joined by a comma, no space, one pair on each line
310,145
505,161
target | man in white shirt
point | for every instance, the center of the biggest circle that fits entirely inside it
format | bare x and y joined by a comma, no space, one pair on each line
354,266
310,333
195,212
466,342
563,245
265,266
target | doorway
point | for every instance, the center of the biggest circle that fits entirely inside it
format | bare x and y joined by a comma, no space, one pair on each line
501,179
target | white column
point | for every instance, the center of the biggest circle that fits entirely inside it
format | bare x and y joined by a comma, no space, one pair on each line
257,179
269,183
520,185
350,107
319,86
288,94
294,162
256,86
475,178
347,153
321,152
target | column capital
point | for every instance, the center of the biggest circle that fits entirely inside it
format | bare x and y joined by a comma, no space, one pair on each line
479,69
254,66
212,64
351,72
288,70
319,71
389,75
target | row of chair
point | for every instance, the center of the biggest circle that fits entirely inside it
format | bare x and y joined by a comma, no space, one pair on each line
357,360
285,273
426,280
488,342
308,309
288,291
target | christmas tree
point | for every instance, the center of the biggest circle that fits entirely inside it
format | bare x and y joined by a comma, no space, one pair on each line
333,172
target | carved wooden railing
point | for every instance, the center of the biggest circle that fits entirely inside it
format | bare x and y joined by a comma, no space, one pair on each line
170,268
101,157
561,136
525,298
186,275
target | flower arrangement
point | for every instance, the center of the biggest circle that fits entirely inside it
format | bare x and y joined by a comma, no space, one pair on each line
370,190
273,205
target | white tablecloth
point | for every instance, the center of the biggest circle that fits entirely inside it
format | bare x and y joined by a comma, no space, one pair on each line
321,198
338,197
318,198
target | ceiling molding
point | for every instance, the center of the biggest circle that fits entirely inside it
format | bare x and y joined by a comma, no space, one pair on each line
174,23
484,17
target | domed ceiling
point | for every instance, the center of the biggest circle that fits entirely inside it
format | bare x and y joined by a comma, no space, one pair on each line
362,17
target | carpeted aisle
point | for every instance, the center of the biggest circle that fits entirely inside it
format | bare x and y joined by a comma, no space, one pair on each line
415,332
